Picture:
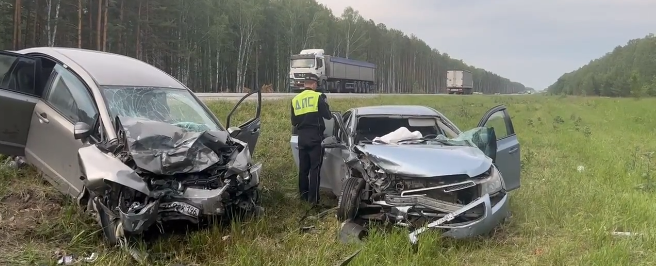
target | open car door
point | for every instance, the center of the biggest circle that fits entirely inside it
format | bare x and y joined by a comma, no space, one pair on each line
249,131
507,159
333,168
17,100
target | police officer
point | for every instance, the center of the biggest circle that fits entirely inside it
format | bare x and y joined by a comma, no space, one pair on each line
308,109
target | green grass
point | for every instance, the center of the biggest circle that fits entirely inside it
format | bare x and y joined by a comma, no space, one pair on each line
560,216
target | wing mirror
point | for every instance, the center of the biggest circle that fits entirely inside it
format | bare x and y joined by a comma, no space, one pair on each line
332,142
81,130
234,131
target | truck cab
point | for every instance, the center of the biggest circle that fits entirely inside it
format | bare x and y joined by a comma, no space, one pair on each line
307,61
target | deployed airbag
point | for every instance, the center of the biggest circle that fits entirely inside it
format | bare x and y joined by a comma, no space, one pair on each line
401,133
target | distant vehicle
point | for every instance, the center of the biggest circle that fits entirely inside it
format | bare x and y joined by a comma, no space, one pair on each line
442,178
459,82
336,74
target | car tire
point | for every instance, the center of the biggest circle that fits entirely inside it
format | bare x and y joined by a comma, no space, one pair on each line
349,199
111,228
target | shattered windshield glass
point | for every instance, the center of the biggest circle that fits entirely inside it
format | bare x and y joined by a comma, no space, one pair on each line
173,106
469,137
477,137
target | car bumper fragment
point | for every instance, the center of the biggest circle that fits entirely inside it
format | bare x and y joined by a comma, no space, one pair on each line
191,205
492,216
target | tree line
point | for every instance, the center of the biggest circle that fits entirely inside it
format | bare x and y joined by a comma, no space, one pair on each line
628,70
226,45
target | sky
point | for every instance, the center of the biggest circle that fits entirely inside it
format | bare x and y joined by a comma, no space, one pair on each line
531,41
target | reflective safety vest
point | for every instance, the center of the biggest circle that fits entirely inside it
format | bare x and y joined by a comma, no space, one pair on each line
306,102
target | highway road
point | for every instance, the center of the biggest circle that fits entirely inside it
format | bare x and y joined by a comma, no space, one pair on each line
273,96
277,96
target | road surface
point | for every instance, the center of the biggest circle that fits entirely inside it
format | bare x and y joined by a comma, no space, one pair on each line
273,96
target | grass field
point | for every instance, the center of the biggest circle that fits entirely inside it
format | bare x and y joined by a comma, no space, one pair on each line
562,214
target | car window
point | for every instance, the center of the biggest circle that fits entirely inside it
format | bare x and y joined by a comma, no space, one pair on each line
21,78
71,98
330,124
498,121
5,65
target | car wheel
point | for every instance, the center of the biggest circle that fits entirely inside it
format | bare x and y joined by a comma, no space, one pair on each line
111,227
349,199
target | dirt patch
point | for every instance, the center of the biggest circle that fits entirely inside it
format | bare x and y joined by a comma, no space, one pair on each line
22,212
27,203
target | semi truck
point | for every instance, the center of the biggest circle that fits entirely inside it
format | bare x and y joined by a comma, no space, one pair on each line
459,82
336,74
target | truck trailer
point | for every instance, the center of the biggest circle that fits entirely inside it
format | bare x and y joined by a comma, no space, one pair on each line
336,74
459,82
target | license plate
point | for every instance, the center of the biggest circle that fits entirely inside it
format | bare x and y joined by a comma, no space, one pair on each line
180,207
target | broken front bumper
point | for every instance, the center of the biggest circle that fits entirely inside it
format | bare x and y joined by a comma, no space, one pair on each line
492,216
193,204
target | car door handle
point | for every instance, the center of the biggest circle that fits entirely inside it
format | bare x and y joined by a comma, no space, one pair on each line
513,150
255,130
43,117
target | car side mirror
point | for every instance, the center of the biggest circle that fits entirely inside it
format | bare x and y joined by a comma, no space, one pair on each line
332,142
234,131
81,130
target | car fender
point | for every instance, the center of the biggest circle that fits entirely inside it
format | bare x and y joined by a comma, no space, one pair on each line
98,168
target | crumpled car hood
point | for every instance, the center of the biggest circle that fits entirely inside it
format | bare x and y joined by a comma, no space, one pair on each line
423,160
165,149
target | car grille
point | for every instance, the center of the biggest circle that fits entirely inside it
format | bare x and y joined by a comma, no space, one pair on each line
460,192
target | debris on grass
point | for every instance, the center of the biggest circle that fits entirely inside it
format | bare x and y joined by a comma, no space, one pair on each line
314,218
14,162
348,259
65,259
137,255
580,168
351,231
625,234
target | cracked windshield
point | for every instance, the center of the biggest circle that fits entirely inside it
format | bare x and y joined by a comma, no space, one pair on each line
173,106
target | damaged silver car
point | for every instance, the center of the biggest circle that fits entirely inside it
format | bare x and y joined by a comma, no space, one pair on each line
132,144
411,166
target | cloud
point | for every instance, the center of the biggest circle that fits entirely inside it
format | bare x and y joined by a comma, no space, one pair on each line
533,42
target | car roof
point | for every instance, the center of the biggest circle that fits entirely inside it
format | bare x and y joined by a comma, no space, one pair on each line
109,69
396,110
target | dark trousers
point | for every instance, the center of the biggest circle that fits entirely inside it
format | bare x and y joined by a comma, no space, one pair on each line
310,155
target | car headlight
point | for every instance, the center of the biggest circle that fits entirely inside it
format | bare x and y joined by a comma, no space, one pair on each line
492,184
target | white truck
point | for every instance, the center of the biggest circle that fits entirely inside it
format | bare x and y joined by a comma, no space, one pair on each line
336,74
459,82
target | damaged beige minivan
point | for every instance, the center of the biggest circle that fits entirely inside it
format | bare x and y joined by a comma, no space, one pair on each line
134,145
